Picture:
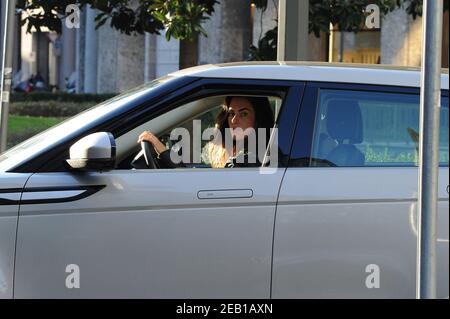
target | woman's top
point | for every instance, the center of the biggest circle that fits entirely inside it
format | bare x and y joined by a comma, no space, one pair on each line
242,159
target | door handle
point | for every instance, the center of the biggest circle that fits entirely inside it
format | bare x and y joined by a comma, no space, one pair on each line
225,193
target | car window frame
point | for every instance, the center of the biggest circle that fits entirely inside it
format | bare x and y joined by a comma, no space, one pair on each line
289,91
191,89
44,160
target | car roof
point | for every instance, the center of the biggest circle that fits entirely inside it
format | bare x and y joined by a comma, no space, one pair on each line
314,71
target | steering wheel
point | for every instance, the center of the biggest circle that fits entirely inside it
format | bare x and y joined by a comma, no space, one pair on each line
148,154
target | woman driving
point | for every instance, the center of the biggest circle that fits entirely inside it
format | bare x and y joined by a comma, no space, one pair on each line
237,116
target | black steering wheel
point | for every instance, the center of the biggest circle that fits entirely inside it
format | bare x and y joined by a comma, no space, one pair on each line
148,154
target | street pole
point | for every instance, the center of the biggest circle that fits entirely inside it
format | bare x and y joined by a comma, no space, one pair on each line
430,95
293,20
90,52
7,61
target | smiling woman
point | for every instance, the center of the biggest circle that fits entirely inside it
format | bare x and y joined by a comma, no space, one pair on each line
238,115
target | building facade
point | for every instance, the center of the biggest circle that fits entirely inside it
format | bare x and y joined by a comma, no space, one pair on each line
106,61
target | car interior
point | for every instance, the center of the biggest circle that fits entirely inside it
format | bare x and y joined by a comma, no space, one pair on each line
204,109
340,128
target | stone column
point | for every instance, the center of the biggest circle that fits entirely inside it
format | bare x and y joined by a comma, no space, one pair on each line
67,60
149,57
27,55
293,34
267,20
107,60
229,33
80,52
42,55
120,61
130,61
53,65
167,55
16,55
401,39
90,52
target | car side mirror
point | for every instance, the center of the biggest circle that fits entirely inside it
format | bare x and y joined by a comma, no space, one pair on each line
96,151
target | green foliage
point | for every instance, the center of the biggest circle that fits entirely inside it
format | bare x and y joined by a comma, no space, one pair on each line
59,97
49,108
267,47
21,128
406,157
48,104
345,15
260,4
182,19
415,7
48,16
385,156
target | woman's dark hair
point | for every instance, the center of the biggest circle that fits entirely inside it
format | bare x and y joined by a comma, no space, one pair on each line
263,115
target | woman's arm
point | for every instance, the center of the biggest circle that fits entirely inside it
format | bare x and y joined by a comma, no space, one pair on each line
157,145
160,148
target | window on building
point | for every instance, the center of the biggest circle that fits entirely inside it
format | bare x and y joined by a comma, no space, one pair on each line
361,47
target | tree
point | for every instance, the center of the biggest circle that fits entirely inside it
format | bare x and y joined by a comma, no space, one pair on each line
345,16
183,19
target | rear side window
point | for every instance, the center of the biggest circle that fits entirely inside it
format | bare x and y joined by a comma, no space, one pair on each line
359,128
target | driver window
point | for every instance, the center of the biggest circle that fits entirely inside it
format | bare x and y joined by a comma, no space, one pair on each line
191,134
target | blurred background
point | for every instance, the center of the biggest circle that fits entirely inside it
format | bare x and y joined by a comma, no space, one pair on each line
59,71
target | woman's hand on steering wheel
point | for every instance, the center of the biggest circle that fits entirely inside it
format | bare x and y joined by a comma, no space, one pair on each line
157,145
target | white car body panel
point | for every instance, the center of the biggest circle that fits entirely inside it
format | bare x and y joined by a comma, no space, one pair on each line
314,71
330,226
8,226
304,232
148,235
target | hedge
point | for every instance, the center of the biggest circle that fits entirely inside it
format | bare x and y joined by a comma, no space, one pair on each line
60,96
49,108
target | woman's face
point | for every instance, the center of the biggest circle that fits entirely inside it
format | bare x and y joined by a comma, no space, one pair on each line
241,114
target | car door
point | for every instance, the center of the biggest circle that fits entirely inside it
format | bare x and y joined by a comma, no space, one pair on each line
167,233
347,211
11,187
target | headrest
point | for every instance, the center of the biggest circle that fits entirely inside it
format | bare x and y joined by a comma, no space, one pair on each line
344,121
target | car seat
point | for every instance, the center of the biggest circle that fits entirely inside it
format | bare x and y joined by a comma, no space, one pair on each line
344,124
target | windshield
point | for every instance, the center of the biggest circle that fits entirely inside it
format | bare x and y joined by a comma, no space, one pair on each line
71,125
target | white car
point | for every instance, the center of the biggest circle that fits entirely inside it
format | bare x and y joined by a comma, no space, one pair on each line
335,218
